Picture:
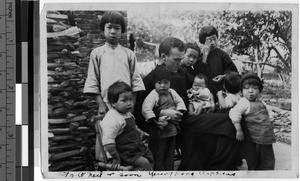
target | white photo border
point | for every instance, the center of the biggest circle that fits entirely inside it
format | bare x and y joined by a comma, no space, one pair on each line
160,7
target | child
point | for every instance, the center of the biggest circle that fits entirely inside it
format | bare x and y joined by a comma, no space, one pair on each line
231,96
256,115
160,98
111,62
192,53
120,135
199,95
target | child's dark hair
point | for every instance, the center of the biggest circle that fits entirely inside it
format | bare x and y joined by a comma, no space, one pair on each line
251,79
168,43
114,17
115,90
192,46
232,82
202,76
161,73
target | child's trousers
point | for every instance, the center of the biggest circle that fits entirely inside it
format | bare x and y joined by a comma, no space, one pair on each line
260,157
163,150
144,163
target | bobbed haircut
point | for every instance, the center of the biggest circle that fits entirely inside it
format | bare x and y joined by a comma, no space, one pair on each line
192,46
115,90
202,76
207,31
232,82
168,43
251,79
114,17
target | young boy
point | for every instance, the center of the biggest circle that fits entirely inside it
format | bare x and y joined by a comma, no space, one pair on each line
259,152
231,96
120,135
162,98
192,53
200,96
111,62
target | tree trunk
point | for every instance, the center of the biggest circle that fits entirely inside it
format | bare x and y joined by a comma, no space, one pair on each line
259,72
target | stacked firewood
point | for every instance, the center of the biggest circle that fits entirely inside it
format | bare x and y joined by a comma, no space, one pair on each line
71,36
71,135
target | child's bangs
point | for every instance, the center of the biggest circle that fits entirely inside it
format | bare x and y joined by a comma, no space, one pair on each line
116,19
251,81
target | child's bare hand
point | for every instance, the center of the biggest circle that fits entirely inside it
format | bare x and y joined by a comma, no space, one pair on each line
102,109
239,136
173,114
162,122
97,118
220,93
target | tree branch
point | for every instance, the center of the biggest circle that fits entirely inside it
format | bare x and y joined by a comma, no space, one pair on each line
285,62
281,35
263,63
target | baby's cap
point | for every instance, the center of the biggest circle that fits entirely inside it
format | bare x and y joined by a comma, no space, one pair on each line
252,76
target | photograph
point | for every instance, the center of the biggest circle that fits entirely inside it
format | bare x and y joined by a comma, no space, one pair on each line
169,90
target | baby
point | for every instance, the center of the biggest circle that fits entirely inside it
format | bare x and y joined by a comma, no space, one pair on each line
199,95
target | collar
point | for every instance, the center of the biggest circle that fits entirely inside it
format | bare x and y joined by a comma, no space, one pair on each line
111,46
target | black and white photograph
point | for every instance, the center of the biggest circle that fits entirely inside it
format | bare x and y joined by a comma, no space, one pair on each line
169,90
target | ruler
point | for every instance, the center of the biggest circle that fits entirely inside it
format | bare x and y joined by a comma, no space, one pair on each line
7,90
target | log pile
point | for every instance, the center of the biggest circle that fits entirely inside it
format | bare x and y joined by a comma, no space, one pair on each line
71,135
283,127
282,118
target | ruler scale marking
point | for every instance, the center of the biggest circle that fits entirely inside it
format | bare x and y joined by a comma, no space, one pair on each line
7,90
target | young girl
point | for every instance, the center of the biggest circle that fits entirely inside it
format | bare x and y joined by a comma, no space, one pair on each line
162,134
199,95
111,62
231,96
120,135
259,152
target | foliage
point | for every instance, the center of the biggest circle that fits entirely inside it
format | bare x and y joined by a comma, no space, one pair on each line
265,36
261,35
